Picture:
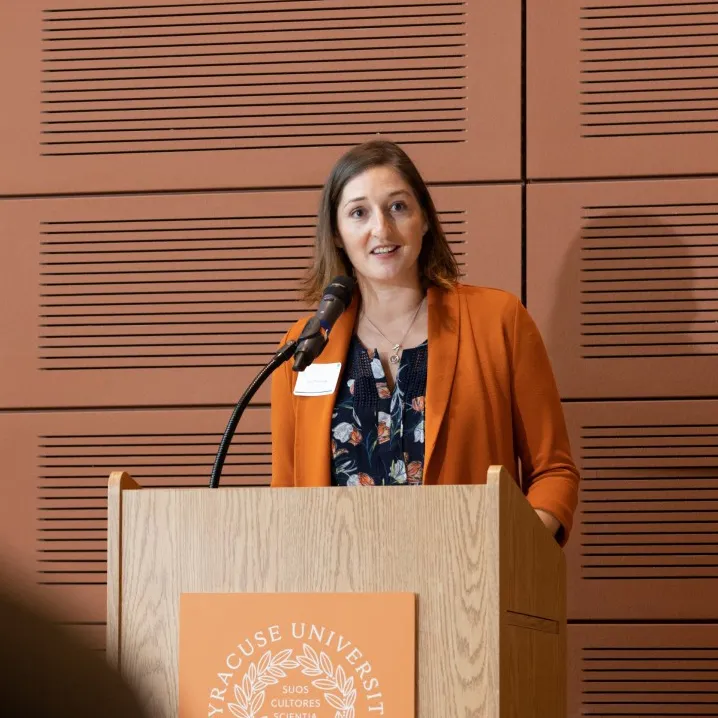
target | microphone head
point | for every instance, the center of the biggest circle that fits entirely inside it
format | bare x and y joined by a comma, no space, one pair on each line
335,299
341,287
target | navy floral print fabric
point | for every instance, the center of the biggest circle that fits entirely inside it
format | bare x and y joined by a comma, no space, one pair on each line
377,435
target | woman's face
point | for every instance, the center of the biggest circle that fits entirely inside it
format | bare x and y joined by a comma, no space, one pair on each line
381,226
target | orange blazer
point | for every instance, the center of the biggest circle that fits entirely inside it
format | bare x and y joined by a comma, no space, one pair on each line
491,398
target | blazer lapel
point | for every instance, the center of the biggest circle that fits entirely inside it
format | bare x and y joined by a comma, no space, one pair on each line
314,414
444,314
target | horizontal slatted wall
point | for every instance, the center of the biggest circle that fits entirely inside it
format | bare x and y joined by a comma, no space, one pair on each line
165,300
121,99
174,300
623,282
647,670
646,545
155,96
621,278
116,301
54,514
637,84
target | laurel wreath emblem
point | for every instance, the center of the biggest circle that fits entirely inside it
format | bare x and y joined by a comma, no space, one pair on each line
338,689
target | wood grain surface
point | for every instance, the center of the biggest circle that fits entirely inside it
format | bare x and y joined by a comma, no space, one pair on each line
119,483
441,543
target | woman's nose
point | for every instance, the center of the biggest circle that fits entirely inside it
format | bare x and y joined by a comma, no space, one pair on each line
380,225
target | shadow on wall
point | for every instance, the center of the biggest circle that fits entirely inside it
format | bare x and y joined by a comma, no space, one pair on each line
624,305
46,672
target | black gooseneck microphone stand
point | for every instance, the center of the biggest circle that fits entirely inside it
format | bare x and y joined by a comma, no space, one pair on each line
284,353
307,348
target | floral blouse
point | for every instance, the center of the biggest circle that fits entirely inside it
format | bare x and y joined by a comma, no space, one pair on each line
377,435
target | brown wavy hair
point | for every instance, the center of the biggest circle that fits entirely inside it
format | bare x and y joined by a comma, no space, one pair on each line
437,264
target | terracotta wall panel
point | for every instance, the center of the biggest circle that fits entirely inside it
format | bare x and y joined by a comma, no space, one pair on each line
653,670
644,545
180,299
619,89
622,279
54,487
157,97
143,299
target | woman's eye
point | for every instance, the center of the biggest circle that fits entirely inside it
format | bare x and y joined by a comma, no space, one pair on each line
357,213
398,206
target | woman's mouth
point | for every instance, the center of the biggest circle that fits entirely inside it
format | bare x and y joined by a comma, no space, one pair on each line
385,249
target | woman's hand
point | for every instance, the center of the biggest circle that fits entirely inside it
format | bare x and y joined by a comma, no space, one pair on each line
549,521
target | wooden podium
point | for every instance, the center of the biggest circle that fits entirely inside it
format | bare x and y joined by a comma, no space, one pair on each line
489,580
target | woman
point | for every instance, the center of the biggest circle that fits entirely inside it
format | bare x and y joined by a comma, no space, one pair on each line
439,380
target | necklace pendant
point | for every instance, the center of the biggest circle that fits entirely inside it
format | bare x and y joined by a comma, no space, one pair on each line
394,358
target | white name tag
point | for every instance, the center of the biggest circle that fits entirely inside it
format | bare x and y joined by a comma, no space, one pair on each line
318,379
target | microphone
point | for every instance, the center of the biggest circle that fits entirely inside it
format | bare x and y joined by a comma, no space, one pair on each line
336,298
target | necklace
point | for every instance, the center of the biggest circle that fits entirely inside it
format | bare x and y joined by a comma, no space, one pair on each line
396,348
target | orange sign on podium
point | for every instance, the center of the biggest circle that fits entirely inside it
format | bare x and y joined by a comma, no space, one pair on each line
297,655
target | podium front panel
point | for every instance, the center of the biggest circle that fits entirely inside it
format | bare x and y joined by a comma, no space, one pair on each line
440,543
